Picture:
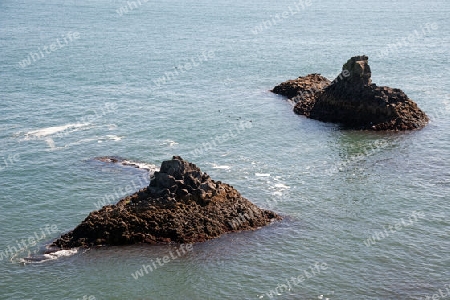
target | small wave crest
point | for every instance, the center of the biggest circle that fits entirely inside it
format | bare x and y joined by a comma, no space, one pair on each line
281,186
109,137
169,143
221,167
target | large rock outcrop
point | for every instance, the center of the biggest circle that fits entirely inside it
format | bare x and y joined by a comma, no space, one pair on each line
182,205
352,100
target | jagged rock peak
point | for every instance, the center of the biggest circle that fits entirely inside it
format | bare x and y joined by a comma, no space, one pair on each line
358,70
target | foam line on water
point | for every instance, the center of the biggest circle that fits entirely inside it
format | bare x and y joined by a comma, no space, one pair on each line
41,258
150,167
43,132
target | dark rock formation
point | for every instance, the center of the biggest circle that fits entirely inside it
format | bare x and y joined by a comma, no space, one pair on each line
303,90
352,100
182,205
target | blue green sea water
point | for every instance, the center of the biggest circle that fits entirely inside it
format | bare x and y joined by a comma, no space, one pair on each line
146,80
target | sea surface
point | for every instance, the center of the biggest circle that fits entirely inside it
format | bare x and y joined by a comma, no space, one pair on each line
366,214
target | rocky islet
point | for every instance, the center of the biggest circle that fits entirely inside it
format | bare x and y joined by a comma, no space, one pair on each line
353,100
182,204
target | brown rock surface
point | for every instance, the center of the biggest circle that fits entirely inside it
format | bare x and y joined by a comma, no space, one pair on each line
182,204
352,100
303,91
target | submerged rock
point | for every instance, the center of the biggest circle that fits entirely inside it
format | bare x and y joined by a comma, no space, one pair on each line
182,204
352,100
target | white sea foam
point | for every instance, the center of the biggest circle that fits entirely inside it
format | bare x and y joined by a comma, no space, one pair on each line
109,137
151,168
61,253
170,143
222,167
114,137
39,133
40,258
282,186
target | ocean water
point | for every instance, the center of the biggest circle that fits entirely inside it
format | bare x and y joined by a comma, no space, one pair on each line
148,80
